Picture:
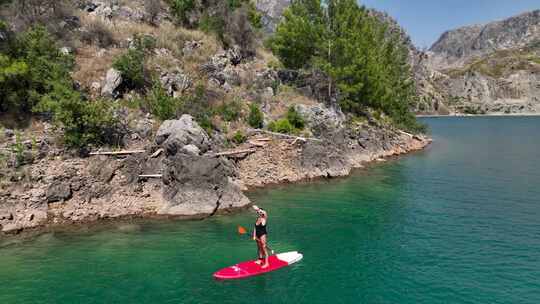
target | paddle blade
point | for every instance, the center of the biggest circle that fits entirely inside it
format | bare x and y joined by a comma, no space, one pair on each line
242,230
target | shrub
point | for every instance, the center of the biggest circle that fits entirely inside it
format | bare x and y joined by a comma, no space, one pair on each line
161,104
296,120
83,122
18,148
230,111
14,75
131,65
28,68
256,117
213,24
180,9
281,126
144,43
254,16
98,33
239,137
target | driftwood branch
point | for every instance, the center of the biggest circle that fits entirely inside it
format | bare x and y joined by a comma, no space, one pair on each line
304,139
124,152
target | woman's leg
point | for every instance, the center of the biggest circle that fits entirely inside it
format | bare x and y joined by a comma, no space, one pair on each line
264,250
259,252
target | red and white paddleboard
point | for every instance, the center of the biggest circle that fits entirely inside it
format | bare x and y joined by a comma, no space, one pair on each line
250,268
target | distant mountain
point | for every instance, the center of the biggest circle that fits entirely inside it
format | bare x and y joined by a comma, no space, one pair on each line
457,47
491,68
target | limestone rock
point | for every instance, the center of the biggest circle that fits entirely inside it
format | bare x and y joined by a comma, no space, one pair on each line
6,216
58,191
322,120
144,127
271,10
66,50
11,228
113,80
200,185
191,149
175,134
175,83
190,47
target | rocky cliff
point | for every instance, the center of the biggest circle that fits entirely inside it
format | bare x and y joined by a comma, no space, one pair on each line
458,47
491,68
189,165
272,11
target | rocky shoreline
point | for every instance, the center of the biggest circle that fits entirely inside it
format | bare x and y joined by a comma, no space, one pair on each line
181,175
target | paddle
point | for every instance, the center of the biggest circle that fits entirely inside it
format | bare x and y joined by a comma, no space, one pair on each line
242,231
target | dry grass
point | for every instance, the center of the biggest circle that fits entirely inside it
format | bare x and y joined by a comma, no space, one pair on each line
169,37
174,38
265,58
90,67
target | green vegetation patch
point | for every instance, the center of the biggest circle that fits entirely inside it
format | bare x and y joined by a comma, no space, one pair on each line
364,60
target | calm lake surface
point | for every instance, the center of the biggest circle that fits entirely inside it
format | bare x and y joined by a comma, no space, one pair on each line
456,223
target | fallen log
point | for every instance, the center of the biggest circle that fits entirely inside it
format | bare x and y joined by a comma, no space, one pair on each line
262,139
229,153
257,143
304,139
151,175
124,152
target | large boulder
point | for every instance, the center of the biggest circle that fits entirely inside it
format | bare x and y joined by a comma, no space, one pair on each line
173,135
200,185
322,120
58,191
113,80
175,82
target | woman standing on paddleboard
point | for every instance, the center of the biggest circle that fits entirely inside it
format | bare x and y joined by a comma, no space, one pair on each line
260,235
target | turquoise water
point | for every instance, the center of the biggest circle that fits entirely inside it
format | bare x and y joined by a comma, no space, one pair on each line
456,223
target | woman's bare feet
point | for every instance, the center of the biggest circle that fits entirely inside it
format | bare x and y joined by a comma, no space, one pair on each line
265,266
258,262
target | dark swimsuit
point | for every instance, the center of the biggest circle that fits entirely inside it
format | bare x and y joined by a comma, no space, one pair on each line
260,230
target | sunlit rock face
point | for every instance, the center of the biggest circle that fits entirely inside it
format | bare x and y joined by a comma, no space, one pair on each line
272,11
